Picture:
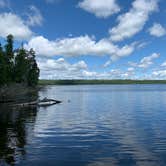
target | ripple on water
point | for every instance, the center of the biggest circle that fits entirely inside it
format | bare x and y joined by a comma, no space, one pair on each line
102,125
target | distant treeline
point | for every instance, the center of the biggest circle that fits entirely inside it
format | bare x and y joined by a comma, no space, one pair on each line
91,82
17,65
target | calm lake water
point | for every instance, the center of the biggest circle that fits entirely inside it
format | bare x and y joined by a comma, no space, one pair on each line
96,125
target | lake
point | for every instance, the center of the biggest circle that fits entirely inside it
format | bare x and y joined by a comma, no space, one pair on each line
96,125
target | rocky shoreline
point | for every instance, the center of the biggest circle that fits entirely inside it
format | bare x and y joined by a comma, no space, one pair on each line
23,96
17,92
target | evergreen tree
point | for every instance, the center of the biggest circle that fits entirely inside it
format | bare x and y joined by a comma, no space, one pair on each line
17,66
9,47
21,67
3,75
9,55
33,75
34,71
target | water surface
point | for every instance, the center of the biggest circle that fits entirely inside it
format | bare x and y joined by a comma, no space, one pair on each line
96,125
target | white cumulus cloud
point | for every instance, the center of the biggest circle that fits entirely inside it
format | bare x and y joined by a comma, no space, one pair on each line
101,8
133,21
163,64
146,61
78,46
12,24
107,63
34,16
159,74
60,69
157,30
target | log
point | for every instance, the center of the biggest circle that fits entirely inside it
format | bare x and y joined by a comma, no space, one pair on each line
41,103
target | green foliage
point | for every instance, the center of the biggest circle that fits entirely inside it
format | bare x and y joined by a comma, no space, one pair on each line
17,66
33,73
3,67
21,67
96,82
8,53
9,47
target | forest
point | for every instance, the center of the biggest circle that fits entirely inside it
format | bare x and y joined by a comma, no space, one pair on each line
17,65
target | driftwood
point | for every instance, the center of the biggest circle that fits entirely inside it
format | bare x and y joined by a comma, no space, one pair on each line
41,103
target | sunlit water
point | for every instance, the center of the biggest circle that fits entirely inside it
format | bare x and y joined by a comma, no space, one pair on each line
96,125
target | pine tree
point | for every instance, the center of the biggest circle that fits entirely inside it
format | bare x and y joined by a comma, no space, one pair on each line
2,67
21,67
9,47
17,66
34,71
33,75
9,55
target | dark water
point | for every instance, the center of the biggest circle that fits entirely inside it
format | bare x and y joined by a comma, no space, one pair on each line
99,125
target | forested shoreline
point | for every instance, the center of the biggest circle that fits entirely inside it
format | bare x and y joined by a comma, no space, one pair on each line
99,82
17,66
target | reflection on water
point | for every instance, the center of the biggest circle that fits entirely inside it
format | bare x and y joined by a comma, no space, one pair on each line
101,125
13,133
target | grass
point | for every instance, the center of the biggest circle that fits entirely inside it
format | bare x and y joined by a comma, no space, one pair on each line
96,82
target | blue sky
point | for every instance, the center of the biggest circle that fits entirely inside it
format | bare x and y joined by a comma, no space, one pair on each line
90,39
